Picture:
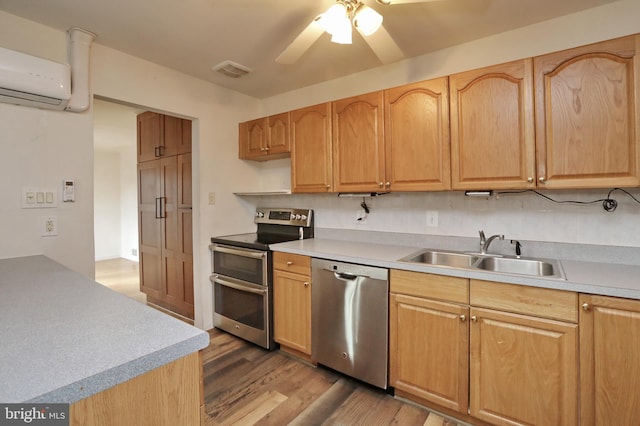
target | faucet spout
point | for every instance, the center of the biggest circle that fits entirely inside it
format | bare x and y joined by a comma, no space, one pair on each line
486,242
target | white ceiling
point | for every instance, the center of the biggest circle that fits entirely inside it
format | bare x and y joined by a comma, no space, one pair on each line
191,36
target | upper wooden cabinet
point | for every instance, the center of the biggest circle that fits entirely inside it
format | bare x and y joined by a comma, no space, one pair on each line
587,122
358,144
265,138
492,127
416,136
311,149
162,136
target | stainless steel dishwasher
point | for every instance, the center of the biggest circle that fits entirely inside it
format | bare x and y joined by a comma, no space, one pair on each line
349,317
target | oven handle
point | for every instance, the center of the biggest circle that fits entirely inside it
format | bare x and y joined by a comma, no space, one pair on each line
238,252
217,279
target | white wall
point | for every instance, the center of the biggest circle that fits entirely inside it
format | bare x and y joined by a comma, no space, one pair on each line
41,148
107,213
129,201
115,196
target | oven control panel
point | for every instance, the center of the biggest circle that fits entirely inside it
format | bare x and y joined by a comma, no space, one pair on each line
284,216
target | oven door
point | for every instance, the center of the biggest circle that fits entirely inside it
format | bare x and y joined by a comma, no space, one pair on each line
240,263
242,309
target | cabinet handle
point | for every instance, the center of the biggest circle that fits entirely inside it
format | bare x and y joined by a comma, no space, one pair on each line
474,318
542,179
158,208
289,263
463,318
306,284
328,186
381,184
585,306
388,184
530,179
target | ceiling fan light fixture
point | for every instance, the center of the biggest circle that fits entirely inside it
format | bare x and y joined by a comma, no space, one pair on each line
366,20
332,19
342,34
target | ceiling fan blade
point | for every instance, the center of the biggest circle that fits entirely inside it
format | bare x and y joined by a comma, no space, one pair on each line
392,2
302,42
383,46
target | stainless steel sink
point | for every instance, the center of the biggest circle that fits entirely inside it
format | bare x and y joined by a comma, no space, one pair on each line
442,258
547,268
509,265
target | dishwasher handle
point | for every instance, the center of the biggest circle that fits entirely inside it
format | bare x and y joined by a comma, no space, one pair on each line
343,276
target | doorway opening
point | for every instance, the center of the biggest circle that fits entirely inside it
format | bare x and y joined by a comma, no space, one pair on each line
115,198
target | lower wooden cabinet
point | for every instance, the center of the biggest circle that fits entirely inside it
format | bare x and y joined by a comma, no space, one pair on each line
503,354
292,302
523,369
429,338
609,361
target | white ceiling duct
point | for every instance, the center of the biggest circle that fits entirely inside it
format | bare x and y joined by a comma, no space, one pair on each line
78,51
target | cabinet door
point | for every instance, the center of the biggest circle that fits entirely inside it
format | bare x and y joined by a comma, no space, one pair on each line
171,245
416,132
253,138
609,361
311,149
358,144
172,136
292,310
429,350
523,370
149,228
587,121
150,135
185,143
278,141
492,127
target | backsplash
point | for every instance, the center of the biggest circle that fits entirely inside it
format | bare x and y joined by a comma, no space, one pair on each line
525,216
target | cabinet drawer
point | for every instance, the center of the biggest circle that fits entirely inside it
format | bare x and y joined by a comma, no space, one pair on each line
452,289
295,263
521,299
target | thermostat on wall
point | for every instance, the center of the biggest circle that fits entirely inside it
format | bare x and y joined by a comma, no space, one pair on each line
68,190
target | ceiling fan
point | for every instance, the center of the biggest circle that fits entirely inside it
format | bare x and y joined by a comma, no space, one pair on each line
338,21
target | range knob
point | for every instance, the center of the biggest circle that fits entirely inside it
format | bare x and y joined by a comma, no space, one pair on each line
259,214
297,217
303,217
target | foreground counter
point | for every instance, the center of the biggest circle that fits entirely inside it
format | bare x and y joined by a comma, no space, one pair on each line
67,339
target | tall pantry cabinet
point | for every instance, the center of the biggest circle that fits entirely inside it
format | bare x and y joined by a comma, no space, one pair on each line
164,212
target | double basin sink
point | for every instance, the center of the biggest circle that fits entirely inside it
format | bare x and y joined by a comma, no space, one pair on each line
541,268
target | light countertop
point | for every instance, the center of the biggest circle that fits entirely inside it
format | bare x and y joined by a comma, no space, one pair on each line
65,337
586,277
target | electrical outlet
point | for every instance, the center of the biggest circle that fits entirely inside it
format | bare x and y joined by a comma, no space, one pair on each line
432,219
134,252
50,226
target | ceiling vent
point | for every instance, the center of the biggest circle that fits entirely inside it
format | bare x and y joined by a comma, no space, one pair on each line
232,69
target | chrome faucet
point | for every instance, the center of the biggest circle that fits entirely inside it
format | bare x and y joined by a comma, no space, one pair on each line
485,242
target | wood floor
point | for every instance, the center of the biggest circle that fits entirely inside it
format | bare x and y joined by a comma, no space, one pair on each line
120,275
247,385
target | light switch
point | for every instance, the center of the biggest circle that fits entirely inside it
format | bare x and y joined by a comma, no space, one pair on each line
34,197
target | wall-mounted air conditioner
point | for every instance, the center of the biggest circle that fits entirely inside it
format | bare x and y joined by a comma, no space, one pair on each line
31,81
28,80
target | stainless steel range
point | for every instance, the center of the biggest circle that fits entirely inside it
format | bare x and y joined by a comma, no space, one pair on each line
242,273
